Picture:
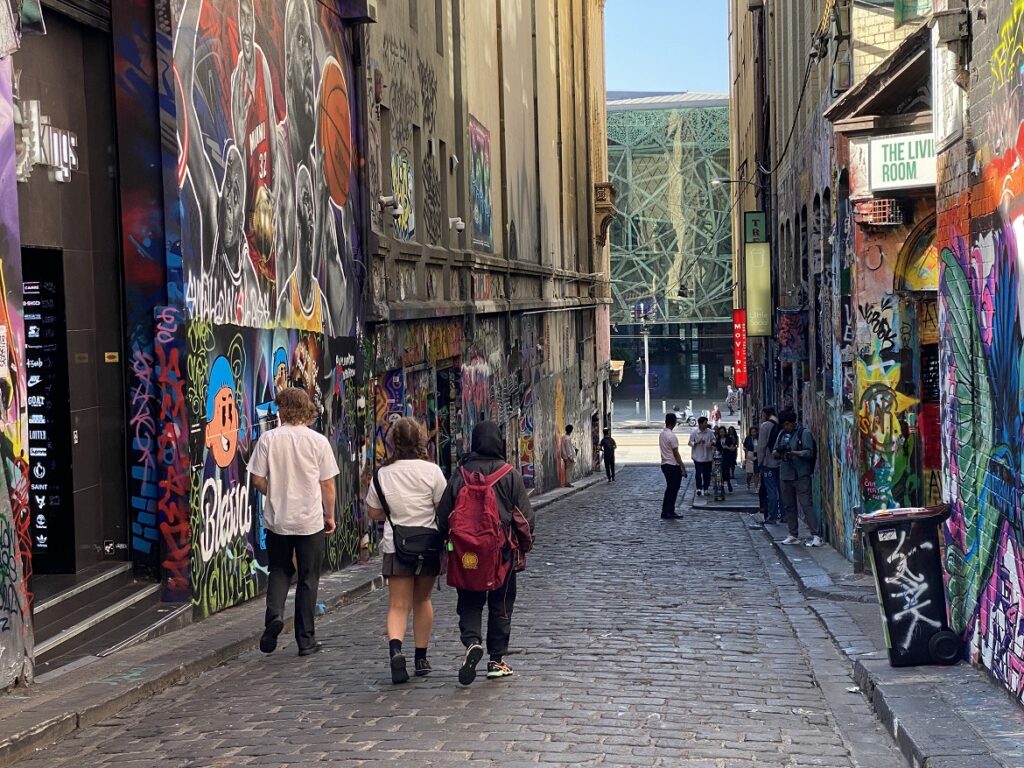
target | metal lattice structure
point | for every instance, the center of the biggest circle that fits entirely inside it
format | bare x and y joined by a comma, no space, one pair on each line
671,244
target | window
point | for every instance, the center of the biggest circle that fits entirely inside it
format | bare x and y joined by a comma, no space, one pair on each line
439,26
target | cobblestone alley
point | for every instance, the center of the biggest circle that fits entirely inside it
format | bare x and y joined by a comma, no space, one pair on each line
636,641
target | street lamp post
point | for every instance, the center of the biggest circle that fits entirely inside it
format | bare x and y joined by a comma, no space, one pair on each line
646,333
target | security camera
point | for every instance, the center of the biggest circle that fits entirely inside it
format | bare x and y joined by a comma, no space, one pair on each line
386,202
458,223
397,211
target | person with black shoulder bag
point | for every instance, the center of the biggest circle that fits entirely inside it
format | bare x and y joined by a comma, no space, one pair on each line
406,491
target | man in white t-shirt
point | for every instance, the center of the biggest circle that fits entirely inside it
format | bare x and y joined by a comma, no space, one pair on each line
702,451
295,468
671,466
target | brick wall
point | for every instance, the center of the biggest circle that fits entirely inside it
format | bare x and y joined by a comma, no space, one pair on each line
980,196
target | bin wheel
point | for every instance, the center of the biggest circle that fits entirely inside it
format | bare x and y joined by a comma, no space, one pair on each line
944,647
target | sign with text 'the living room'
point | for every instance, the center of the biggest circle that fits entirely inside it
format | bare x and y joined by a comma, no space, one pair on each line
757,273
902,162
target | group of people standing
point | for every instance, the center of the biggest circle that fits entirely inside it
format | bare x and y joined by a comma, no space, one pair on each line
780,452
477,527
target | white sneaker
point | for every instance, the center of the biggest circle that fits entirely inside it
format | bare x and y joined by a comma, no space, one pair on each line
815,541
791,540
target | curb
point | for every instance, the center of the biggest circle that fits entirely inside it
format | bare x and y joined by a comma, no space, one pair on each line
928,732
87,705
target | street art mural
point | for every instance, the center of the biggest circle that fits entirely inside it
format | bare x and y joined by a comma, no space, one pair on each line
480,183
981,316
792,335
267,172
266,146
234,375
143,248
15,542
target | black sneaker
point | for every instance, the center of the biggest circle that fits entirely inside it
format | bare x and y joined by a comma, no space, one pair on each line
399,674
268,640
467,672
423,668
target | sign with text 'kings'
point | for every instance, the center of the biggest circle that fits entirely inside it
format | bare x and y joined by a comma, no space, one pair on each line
739,348
902,162
757,258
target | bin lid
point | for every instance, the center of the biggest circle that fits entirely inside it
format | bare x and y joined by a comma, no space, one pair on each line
872,520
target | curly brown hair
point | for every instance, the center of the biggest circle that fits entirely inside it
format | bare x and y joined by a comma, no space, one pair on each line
295,407
408,440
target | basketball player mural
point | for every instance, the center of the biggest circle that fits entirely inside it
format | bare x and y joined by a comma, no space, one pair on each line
269,225
253,126
226,289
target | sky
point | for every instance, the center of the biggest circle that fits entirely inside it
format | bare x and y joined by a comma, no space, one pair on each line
667,45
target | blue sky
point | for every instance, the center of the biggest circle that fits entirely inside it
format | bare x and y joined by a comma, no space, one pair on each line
667,45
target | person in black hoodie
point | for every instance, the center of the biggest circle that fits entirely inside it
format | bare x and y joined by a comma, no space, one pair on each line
487,457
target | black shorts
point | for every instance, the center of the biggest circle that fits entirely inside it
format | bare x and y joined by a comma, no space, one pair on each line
393,567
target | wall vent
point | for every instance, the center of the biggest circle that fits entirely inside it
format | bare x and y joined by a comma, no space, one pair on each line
880,213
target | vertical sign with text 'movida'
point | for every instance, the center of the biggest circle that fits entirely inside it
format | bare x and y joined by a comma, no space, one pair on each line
739,348
757,266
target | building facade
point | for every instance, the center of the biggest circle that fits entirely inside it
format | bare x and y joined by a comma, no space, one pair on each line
671,244
884,135
398,206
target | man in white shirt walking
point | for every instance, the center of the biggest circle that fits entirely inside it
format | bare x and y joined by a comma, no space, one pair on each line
702,450
671,466
295,468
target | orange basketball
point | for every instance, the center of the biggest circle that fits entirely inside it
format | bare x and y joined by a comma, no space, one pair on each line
334,126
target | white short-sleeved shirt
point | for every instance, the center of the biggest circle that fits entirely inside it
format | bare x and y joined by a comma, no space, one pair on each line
294,460
703,445
413,489
668,442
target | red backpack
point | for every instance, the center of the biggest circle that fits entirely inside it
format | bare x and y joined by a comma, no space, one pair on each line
476,537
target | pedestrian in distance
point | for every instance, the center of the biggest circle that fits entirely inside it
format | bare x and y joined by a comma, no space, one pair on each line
295,469
568,453
608,447
716,416
672,467
769,466
730,399
406,492
730,447
795,450
486,516
702,451
750,456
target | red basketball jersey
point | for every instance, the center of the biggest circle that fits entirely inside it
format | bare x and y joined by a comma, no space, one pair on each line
259,125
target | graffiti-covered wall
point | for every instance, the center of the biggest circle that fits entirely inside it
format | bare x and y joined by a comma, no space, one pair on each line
267,180
981,221
15,544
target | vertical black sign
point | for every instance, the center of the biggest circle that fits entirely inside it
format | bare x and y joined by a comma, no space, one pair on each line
49,415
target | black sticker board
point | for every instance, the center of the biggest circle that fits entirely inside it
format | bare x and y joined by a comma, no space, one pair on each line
49,413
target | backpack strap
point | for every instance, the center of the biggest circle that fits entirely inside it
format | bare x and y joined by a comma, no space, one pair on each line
487,481
384,501
493,478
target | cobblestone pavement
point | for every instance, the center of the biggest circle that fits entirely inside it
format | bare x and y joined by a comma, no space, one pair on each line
638,642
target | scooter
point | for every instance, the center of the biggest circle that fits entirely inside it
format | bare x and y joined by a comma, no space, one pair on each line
686,416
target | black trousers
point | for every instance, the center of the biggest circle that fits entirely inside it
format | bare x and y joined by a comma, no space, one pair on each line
309,553
500,603
609,465
703,471
673,479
